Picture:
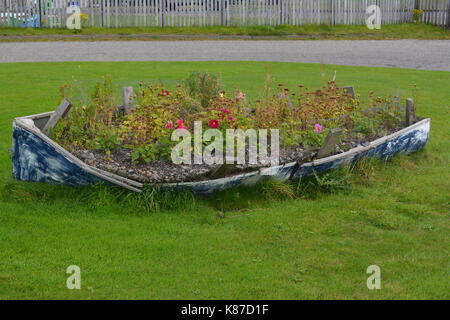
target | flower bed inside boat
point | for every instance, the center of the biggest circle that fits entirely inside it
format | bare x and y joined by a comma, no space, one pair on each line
131,144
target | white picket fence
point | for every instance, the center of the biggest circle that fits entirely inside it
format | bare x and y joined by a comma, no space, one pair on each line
436,12
183,13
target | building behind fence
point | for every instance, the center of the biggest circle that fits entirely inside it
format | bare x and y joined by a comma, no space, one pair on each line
182,13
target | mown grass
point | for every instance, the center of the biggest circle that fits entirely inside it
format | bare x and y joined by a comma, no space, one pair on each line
268,242
396,31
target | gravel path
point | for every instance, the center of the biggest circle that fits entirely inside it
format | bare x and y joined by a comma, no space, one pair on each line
417,54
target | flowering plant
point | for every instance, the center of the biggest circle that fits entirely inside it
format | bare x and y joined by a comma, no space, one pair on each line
417,15
303,116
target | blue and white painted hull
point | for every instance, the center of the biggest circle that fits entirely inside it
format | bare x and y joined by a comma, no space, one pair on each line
38,158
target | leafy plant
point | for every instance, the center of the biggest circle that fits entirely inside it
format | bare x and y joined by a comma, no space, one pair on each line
90,125
333,181
203,85
417,15
304,117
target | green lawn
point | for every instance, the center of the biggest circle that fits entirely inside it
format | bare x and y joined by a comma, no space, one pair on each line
396,216
396,31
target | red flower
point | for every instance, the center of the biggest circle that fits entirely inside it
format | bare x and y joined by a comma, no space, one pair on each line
180,124
165,92
214,123
225,110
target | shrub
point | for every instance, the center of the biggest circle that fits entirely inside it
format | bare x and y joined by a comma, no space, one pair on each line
417,15
203,86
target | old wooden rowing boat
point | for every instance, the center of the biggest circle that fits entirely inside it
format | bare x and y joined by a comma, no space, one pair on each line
38,158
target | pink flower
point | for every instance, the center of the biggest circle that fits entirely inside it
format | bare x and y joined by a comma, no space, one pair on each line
224,113
231,118
240,95
180,124
318,128
214,123
169,124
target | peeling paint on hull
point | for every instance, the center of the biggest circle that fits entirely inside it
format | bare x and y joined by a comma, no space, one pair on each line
37,158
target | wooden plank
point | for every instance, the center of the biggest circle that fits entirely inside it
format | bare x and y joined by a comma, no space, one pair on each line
60,113
448,14
128,99
222,171
331,140
410,112
350,90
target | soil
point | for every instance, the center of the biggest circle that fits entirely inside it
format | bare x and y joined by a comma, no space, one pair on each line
165,171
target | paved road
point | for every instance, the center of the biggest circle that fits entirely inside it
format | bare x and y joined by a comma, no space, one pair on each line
417,54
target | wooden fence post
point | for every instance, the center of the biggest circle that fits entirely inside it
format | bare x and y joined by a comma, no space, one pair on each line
102,17
333,12
222,8
163,9
417,4
448,15
410,112
40,13
330,142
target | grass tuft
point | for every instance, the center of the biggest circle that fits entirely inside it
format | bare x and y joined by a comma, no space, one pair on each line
333,181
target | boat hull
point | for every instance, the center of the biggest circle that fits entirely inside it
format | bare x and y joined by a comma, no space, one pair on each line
38,158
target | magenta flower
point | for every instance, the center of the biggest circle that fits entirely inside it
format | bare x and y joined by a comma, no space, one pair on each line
169,124
231,118
214,123
318,128
225,110
180,124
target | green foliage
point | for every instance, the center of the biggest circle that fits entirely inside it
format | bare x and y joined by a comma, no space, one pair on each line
298,113
304,117
277,190
151,200
150,152
312,31
90,124
203,86
383,117
417,15
333,181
